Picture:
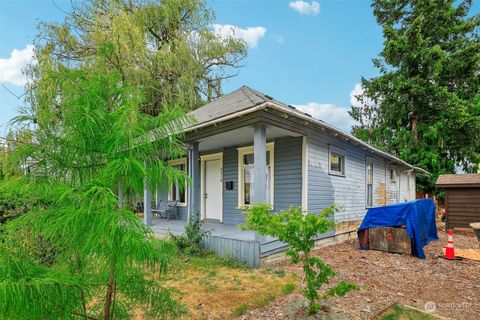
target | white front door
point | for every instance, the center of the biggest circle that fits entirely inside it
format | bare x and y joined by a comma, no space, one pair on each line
213,189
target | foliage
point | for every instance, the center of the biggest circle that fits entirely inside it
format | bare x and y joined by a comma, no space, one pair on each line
340,289
86,256
425,105
288,288
167,48
299,230
17,198
101,255
8,166
190,241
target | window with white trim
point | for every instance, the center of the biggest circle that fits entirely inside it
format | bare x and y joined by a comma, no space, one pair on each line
246,176
369,184
178,190
336,161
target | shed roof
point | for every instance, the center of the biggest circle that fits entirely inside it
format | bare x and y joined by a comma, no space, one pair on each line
246,99
459,180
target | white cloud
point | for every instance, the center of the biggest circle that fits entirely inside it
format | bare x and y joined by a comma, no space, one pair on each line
280,39
358,90
251,35
11,68
305,8
330,113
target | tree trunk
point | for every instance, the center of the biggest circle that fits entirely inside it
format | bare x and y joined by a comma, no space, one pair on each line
414,122
109,296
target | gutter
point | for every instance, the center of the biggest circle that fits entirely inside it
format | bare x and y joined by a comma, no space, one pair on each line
299,114
345,135
258,107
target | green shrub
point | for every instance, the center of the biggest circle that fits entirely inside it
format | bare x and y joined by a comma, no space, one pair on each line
190,241
299,230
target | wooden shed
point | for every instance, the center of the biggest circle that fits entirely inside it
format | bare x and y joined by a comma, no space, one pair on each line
462,199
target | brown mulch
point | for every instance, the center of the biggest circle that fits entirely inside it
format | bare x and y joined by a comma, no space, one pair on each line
386,279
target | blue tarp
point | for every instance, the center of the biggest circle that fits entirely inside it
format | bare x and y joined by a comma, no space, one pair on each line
418,216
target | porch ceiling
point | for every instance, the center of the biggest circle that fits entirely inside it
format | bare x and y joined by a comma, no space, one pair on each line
240,137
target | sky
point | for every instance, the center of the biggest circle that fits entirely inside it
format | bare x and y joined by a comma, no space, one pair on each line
311,54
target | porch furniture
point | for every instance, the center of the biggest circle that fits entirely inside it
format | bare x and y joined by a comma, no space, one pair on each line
167,209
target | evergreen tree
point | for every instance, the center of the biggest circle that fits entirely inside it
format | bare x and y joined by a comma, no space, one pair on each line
425,105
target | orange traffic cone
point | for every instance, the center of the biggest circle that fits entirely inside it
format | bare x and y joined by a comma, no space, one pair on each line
450,251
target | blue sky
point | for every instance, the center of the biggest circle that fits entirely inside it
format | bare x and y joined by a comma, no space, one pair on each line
310,54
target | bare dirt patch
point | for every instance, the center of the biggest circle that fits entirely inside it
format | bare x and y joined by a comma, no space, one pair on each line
388,279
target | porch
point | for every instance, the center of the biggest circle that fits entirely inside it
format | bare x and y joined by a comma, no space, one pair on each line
224,240
162,227
234,160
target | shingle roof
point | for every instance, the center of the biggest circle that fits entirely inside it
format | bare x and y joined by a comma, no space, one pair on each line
238,100
472,179
246,98
241,99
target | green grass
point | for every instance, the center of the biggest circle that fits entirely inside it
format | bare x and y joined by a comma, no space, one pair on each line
288,288
240,310
398,312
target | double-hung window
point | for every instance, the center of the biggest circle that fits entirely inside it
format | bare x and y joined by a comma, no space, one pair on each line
369,183
336,161
178,189
246,177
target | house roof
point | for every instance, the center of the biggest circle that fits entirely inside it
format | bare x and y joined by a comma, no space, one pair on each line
246,100
459,180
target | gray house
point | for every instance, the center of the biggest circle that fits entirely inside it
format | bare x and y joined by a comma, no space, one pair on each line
246,147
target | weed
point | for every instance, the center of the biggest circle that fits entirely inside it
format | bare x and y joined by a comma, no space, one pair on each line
240,310
279,273
288,288
212,273
265,300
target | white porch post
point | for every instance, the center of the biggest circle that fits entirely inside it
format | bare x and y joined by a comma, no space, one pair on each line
260,164
194,174
259,168
147,203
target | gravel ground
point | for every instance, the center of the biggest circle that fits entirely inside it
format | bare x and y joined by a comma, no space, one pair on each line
452,286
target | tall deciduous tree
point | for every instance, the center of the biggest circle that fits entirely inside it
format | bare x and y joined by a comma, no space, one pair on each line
167,48
425,105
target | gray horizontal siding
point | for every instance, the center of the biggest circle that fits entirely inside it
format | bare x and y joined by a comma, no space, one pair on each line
247,252
287,178
288,173
346,192
231,215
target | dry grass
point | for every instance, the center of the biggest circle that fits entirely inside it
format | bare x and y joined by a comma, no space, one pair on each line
218,288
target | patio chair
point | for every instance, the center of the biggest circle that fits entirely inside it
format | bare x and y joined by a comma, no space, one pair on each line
167,209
